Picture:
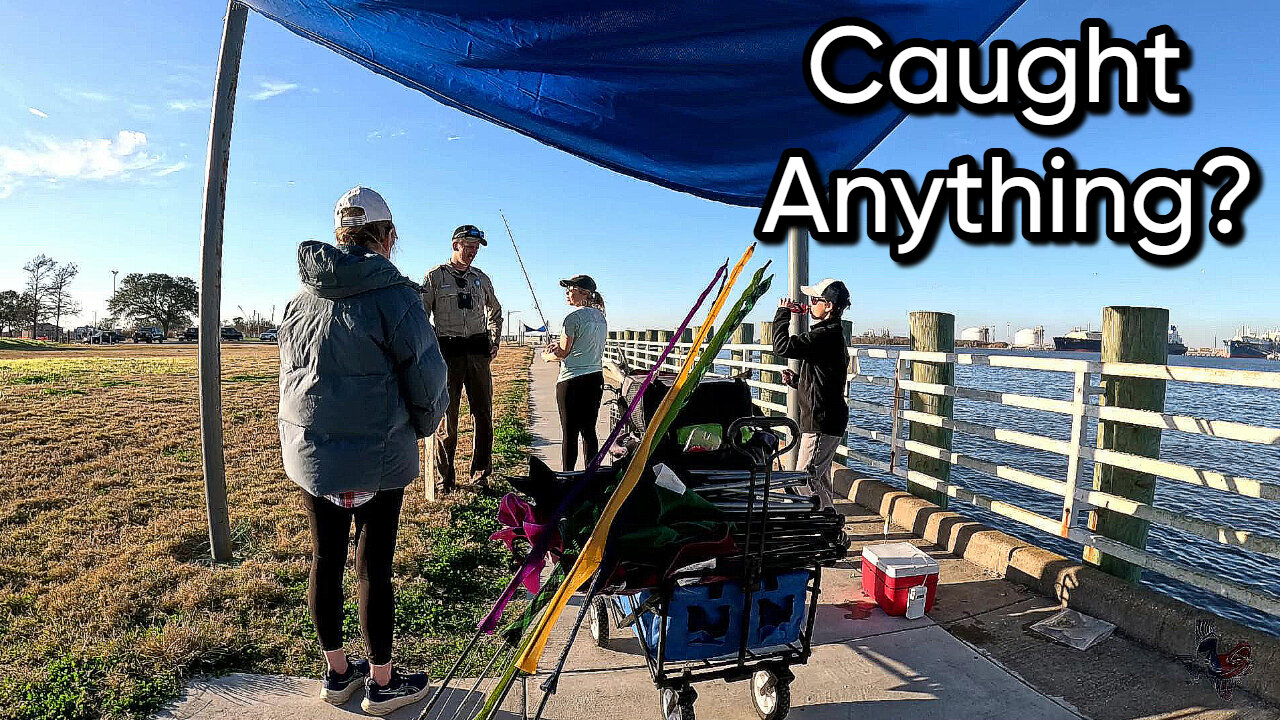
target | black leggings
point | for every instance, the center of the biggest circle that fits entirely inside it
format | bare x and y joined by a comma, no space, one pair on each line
376,525
579,401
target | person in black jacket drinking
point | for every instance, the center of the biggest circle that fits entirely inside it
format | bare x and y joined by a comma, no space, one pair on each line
824,359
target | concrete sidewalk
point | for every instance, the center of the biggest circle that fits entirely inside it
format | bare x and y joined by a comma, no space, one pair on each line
971,657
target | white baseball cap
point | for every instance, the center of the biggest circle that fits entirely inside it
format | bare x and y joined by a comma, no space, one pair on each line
831,289
369,201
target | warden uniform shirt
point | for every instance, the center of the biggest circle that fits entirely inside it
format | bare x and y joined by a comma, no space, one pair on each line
440,290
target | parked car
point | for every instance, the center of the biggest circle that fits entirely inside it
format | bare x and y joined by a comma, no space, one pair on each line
191,334
230,333
148,335
268,335
117,336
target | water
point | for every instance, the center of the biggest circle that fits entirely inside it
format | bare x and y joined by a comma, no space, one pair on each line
1220,402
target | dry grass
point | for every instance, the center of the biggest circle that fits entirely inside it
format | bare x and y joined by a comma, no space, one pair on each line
104,570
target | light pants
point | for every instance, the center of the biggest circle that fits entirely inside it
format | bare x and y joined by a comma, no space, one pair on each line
814,457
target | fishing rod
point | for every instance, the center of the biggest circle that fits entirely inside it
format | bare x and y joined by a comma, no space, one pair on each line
545,325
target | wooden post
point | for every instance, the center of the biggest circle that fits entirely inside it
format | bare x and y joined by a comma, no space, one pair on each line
744,334
931,332
664,337
1132,335
770,376
215,202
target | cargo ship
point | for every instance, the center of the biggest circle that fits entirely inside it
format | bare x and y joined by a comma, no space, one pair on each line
1248,345
1079,341
1176,346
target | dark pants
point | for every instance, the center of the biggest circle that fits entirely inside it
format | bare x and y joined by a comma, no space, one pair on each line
470,370
579,402
376,525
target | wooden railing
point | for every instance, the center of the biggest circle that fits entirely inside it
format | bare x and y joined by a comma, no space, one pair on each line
1077,494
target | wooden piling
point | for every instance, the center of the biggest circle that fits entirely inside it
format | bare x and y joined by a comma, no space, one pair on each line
770,376
744,334
1132,335
931,332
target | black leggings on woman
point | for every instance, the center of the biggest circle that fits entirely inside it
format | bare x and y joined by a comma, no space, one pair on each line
376,523
579,401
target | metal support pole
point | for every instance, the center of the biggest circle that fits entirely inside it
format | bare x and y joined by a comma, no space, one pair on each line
797,275
1129,335
215,201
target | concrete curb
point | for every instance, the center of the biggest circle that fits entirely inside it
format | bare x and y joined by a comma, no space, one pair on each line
1155,620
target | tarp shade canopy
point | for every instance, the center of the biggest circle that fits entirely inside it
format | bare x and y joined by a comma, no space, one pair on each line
700,96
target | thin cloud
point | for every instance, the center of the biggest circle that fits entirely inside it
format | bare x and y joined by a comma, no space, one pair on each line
92,95
50,159
171,169
188,105
38,113
271,88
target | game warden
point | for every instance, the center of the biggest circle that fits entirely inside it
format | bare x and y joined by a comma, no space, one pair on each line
460,301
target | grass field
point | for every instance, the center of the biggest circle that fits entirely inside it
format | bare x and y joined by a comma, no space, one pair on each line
108,599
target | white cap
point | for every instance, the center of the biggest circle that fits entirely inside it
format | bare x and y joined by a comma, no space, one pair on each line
831,289
374,207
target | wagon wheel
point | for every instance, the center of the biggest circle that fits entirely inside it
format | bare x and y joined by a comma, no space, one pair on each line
770,695
677,704
599,620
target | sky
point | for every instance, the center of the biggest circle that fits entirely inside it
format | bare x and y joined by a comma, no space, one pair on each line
104,116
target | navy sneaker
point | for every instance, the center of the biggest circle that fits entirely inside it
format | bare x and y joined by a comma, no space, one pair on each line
404,689
339,687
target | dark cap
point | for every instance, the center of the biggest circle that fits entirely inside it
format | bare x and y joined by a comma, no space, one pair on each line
583,281
469,232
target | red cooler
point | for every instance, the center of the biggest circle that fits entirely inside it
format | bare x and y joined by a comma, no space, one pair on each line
890,571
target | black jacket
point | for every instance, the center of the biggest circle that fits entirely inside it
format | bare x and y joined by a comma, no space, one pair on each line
824,360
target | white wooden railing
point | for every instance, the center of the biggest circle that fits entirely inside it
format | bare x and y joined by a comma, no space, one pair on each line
1077,494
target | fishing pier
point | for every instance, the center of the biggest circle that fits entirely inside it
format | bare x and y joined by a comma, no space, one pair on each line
1116,417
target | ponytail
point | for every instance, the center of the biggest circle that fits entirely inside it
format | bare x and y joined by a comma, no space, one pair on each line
597,301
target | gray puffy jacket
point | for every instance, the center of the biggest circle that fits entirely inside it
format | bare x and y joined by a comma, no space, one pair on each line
361,376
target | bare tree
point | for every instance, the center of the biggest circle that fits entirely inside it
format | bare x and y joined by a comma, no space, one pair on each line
60,300
40,272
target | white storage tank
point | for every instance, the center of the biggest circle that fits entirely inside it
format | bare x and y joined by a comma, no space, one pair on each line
977,334
1029,337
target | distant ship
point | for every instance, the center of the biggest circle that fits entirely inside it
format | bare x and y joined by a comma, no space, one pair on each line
1175,342
1248,345
1080,341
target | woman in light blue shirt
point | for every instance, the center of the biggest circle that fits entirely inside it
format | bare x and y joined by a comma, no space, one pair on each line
581,382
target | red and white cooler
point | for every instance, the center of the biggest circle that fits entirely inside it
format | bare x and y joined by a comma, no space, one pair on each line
901,577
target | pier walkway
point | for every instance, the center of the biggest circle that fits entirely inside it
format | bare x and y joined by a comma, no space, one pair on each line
973,656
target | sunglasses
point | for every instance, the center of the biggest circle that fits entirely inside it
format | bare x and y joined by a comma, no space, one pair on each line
469,234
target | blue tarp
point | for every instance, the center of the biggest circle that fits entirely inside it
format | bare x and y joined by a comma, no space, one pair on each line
701,96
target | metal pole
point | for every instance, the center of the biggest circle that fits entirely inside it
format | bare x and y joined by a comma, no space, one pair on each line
215,200
797,275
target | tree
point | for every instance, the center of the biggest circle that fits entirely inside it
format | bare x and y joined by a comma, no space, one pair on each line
156,299
60,300
40,272
14,313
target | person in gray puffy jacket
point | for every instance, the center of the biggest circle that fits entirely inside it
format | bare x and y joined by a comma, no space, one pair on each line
361,380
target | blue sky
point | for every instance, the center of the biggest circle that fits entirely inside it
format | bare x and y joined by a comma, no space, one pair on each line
104,112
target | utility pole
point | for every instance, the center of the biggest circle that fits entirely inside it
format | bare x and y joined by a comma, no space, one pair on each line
510,329
113,282
797,276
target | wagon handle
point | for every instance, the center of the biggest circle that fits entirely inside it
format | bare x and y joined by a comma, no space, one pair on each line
764,424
